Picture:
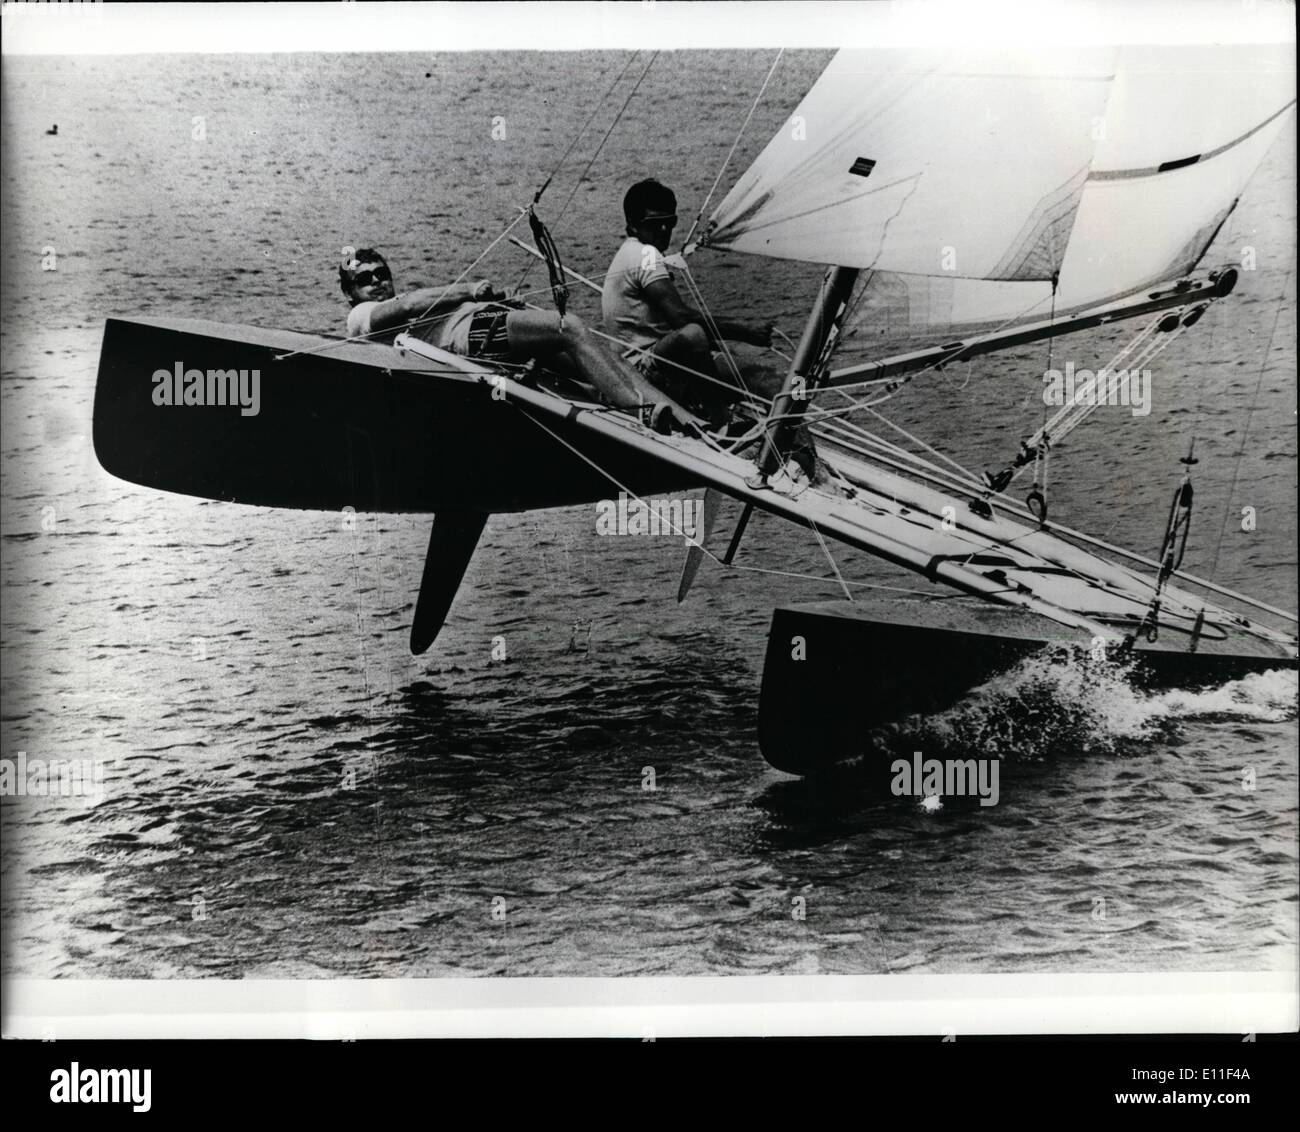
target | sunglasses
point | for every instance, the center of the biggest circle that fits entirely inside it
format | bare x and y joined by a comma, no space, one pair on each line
366,278
669,221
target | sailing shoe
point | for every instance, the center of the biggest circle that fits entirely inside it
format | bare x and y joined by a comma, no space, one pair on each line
804,453
664,421
662,418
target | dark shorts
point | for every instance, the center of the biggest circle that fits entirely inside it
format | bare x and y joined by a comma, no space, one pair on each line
487,331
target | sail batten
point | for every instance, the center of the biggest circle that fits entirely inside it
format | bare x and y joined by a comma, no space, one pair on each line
1194,159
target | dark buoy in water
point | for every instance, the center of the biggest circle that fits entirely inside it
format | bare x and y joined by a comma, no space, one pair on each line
54,129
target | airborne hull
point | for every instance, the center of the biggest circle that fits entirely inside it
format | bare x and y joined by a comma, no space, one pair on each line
344,424
835,671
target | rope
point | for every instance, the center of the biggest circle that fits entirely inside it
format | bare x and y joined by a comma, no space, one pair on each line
826,550
481,257
1144,346
916,440
936,474
893,456
554,265
675,365
942,478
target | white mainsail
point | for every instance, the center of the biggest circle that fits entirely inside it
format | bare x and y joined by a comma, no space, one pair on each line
962,187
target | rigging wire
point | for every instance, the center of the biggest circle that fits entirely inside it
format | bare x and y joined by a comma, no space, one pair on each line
617,118
921,443
876,448
740,386
631,494
698,297
1083,402
528,267
424,318
826,550
731,152
973,483
557,290
891,454
1245,436
583,129
708,553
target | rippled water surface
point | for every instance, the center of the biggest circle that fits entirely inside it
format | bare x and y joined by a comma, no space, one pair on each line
288,792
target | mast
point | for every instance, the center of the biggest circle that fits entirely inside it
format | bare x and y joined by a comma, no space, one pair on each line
790,403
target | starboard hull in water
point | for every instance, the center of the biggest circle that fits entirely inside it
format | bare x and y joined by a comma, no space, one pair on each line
837,671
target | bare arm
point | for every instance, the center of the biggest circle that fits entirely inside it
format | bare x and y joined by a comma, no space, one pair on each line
429,300
663,296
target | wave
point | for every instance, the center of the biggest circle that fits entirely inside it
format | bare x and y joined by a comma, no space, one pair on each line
1071,702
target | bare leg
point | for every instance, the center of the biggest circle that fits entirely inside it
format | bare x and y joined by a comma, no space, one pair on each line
688,347
539,333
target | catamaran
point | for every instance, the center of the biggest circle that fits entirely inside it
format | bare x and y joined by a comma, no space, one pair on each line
983,201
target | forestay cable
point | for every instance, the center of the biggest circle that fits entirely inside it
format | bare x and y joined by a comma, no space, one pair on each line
731,152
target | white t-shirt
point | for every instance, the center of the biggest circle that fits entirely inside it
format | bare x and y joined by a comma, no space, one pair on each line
450,332
359,320
622,299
